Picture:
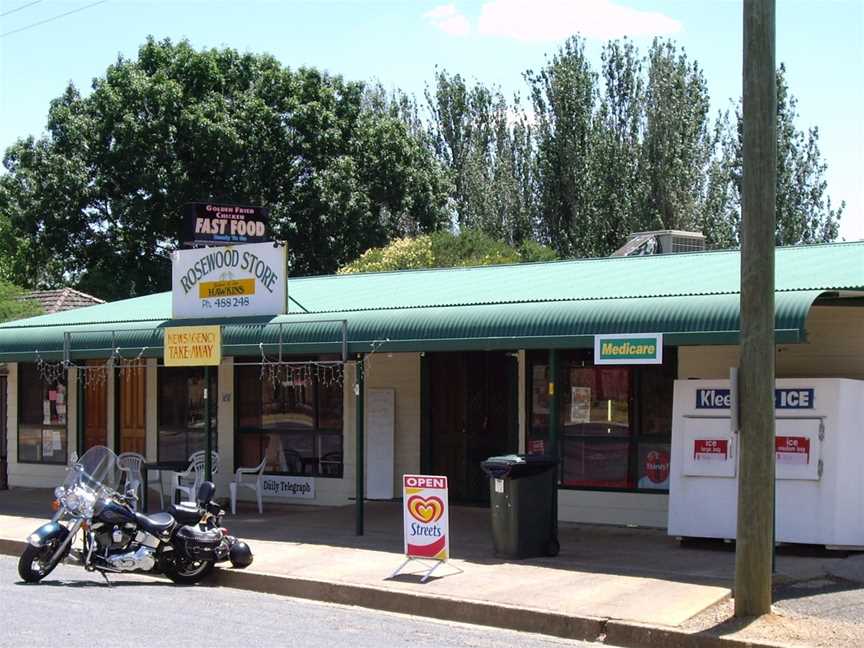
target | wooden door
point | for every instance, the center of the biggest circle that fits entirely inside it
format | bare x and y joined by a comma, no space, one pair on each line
132,410
447,420
95,410
473,416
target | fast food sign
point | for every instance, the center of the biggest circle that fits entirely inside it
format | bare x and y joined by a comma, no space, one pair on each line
425,515
220,224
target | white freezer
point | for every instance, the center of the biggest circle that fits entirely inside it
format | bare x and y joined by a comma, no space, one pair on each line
819,452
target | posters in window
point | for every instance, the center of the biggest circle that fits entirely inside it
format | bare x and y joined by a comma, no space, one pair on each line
580,404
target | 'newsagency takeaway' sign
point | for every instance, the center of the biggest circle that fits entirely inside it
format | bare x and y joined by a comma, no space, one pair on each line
235,281
637,348
218,224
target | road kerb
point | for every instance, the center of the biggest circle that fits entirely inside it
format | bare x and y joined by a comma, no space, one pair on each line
583,628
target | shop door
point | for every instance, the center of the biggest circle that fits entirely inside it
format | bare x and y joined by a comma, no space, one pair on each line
473,415
95,411
132,431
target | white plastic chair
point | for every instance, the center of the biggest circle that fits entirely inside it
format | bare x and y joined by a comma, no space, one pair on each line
188,482
130,464
257,486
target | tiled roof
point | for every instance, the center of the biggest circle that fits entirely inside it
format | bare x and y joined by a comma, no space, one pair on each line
62,299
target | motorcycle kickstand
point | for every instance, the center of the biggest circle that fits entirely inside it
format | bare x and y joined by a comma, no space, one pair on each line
105,576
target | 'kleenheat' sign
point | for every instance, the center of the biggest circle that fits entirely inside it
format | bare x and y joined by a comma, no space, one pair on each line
424,500
232,281
192,346
638,348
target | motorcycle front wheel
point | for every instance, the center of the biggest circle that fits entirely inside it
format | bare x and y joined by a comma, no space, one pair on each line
35,563
187,572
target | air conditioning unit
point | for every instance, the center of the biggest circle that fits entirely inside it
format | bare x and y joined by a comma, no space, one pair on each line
661,242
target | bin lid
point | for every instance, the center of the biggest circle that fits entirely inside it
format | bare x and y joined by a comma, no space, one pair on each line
515,466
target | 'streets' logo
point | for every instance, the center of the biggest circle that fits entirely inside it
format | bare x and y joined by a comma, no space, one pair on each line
425,509
657,466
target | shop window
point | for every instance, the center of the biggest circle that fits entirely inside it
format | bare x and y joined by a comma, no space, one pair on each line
181,412
42,417
615,421
295,423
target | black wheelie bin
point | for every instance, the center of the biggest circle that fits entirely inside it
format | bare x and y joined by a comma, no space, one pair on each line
522,493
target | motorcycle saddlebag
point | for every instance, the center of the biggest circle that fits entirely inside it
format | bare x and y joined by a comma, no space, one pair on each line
197,544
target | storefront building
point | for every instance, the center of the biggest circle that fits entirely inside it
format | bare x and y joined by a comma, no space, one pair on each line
456,367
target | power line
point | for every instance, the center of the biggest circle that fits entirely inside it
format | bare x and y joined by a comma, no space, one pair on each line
11,11
47,20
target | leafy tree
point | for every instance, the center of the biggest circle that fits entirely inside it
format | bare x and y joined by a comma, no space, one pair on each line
97,200
563,96
675,145
485,142
804,210
14,303
444,250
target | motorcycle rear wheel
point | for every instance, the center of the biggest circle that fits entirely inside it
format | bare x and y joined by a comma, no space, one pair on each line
35,563
185,572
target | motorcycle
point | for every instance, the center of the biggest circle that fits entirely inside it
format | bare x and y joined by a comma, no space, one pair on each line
115,538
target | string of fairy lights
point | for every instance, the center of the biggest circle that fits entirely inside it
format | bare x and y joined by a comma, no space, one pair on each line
276,370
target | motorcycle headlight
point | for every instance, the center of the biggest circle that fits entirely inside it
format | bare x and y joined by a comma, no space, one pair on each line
59,492
72,501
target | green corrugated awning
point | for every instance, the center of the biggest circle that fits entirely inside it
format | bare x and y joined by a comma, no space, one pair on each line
690,298
692,320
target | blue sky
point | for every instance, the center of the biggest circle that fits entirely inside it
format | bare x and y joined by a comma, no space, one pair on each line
399,43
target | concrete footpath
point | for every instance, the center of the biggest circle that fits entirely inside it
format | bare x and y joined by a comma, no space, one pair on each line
627,587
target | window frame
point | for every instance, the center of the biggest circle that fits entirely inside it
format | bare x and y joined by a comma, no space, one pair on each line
635,439
214,406
316,432
18,424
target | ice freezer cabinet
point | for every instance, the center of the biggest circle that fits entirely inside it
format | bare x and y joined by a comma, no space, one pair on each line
819,452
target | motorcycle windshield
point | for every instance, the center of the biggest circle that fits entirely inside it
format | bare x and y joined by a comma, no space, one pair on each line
96,469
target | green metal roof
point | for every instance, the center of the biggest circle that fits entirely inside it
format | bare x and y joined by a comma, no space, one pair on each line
692,298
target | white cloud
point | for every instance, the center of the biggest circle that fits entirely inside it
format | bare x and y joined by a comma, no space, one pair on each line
449,19
540,20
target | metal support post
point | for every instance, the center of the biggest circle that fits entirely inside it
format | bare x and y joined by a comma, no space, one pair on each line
208,441
359,458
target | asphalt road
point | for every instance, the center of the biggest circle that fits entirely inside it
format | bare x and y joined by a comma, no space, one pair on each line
73,608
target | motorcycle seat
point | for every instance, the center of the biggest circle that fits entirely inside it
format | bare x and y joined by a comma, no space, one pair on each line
186,513
157,524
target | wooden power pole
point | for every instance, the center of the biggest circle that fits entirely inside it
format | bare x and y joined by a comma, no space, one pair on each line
755,535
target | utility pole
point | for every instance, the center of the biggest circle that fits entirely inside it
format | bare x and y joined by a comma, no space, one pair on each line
755,535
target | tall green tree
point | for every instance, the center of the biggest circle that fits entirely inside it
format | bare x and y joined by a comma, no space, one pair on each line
563,96
97,200
805,213
485,143
676,145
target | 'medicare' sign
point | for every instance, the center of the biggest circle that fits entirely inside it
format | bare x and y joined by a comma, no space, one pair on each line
427,532
639,348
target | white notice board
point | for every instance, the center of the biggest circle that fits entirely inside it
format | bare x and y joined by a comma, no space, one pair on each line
380,428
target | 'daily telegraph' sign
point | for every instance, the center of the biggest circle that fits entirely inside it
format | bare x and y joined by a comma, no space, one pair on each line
192,346
638,348
219,224
234,281
426,522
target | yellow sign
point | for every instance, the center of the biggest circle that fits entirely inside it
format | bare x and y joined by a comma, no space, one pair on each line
193,346
227,288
